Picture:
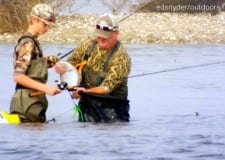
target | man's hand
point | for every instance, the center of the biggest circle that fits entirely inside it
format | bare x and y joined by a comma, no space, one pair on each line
59,68
52,60
76,92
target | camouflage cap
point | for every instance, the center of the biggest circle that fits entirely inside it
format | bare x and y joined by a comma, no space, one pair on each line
106,25
44,13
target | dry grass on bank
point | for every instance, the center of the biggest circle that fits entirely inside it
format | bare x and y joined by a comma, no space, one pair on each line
13,13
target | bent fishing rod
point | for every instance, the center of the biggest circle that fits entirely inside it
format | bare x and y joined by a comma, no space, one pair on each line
64,55
135,11
121,20
64,86
176,69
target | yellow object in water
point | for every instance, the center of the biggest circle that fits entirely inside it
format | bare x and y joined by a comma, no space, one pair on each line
9,118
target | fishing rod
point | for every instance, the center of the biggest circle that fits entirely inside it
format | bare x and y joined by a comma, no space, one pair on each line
121,20
176,69
114,99
135,11
64,55
66,86
60,85
76,108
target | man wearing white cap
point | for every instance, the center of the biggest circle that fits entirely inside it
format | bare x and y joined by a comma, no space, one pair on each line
104,77
30,68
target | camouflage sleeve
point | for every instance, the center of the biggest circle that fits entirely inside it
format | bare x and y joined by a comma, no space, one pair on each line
78,54
22,57
119,69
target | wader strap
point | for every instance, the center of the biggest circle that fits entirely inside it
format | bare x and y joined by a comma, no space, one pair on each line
18,86
35,42
90,49
110,55
113,50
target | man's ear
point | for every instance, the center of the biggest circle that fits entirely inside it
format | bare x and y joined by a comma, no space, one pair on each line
117,32
34,19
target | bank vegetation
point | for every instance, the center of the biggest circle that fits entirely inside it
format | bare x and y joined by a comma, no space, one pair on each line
146,22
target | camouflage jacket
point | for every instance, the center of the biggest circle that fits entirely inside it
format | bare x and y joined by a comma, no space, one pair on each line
25,51
117,70
29,60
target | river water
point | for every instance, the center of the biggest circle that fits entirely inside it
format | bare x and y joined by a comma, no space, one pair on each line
178,82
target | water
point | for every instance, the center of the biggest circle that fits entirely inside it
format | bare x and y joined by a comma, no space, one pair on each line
163,126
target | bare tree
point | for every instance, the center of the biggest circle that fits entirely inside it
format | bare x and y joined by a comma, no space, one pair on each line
13,13
58,5
114,5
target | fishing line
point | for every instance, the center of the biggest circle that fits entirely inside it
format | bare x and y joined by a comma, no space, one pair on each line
121,20
161,71
57,116
76,109
66,54
135,11
176,69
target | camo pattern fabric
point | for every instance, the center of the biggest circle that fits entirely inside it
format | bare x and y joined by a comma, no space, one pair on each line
118,68
25,51
44,13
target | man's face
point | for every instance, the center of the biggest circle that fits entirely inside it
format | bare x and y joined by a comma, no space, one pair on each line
108,43
40,26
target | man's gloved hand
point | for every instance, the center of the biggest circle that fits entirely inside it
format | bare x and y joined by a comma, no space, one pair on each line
52,60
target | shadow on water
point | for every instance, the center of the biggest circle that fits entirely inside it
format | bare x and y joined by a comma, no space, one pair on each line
174,115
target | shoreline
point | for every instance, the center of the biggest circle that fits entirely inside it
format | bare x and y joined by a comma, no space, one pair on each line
140,28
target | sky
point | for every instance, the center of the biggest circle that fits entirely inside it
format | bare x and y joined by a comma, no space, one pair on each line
89,6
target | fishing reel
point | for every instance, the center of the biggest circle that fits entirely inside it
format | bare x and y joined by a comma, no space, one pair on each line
61,85
65,86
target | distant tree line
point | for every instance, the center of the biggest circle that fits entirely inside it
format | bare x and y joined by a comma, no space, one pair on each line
13,13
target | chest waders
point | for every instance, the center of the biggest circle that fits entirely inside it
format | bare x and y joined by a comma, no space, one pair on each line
99,109
31,109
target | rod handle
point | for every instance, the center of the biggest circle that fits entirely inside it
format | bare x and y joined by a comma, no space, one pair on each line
36,93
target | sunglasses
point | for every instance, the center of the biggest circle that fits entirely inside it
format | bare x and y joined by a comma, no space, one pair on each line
49,19
106,28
